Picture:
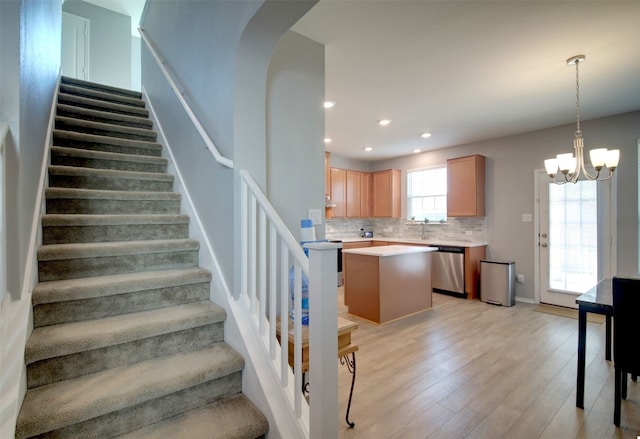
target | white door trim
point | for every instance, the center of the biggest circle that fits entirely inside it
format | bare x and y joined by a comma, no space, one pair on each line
84,23
610,264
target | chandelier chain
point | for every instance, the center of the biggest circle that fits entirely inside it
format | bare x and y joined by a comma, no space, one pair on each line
578,131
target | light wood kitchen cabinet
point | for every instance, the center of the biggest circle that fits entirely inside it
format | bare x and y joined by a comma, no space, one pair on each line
465,186
347,246
338,192
353,194
327,174
472,258
366,183
386,194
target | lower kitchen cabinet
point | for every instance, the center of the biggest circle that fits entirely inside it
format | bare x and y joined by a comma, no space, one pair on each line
472,257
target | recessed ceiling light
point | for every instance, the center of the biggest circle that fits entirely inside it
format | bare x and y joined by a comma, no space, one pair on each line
416,150
328,104
368,148
384,122
327,140
425,135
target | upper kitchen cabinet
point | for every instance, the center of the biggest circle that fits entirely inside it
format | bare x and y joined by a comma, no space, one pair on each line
327,174
338,179
386,194
465,186
366,184
354,194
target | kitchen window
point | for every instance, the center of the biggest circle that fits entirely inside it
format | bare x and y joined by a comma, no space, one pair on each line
427,194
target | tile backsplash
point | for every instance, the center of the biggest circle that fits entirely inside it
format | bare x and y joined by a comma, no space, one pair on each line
455,229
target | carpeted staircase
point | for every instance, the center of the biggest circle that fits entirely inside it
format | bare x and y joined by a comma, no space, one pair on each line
126,342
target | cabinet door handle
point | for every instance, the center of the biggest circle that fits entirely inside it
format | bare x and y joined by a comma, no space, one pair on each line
544,244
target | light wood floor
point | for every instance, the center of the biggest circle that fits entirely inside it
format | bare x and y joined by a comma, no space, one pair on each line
466,369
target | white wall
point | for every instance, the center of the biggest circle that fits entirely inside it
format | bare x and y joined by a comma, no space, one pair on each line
219,52
109,43
199,44
136,63
30,44
510,166
295,129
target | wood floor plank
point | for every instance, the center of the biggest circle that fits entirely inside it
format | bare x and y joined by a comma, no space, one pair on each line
466,369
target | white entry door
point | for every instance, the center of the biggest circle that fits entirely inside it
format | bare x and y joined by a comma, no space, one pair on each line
75,46
574,238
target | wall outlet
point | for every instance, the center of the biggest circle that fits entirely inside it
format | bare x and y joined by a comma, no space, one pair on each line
468,232
387,229
520,278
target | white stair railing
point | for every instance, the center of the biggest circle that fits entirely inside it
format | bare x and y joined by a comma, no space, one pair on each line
205,137
270,256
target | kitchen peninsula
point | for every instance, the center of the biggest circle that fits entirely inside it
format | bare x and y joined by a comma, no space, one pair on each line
387,282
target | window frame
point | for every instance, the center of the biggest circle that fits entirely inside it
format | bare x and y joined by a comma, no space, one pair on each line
409,213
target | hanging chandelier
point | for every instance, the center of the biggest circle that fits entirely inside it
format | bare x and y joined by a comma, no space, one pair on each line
568,167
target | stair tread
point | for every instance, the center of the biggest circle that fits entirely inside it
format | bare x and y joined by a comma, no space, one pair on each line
55,192
61,219
94,85
104,126
105,155
81,112
102,95
81,250
108,173
82,102
70,338
100,286
96,138
75,400
234,417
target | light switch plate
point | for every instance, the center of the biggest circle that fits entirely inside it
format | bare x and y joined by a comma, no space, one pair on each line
526,217
315,215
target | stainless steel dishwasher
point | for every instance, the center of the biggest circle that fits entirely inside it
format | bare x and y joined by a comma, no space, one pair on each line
447,271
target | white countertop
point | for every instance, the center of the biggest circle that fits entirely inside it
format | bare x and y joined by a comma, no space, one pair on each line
389,250
418,241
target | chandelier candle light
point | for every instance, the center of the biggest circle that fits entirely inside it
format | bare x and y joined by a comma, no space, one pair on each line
571,166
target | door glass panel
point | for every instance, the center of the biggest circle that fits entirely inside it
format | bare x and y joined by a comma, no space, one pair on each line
573,236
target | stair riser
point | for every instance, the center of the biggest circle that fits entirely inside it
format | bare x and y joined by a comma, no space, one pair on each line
112,233
147,150
138,416
93,104
96,163
102,207
149,136
101,96
71,366
109,183
102,266
105,117
98,307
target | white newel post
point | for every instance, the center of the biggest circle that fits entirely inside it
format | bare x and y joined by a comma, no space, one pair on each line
323,340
